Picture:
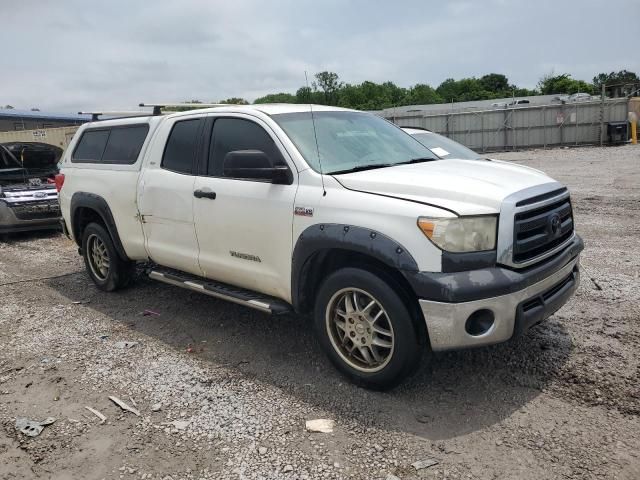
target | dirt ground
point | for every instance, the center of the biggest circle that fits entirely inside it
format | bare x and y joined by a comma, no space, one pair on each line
224,392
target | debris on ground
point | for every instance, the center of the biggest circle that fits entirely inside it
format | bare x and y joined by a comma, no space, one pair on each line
391,476
148,313
32,428
156,407
180,424
426,463
124,406
125,344
97,414
287,469
320,425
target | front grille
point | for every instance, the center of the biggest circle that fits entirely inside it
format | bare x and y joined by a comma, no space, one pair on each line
36,210
542,229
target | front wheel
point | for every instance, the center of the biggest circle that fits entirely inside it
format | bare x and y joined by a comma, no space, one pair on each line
105,267
366,328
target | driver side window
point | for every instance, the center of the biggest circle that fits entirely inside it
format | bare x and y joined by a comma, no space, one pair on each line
232,134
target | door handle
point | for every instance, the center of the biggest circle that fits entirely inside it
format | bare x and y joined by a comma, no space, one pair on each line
203,194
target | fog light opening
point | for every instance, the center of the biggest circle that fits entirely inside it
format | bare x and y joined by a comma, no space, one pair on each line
479,322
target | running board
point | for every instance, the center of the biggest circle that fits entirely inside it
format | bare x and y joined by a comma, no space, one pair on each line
237,295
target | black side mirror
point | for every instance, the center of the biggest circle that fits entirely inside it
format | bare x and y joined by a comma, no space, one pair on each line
255,165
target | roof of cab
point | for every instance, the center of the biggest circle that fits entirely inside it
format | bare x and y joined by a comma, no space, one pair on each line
267,108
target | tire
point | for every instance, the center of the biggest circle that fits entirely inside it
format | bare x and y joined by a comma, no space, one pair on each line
105,267
394,346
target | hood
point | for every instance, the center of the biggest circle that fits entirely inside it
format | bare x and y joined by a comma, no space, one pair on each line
468,187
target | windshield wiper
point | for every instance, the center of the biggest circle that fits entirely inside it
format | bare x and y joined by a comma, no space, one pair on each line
362,168
417,160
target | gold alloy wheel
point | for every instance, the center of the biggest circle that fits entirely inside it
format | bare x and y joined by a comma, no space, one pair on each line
360,330
98,257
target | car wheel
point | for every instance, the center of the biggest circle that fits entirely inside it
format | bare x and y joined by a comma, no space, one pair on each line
105,267
366,328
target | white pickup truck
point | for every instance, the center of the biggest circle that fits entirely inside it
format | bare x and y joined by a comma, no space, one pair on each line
329,212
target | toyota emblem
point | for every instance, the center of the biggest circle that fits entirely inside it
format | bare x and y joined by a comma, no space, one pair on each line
555,224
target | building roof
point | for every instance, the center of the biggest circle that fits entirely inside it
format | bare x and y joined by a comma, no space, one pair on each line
70,117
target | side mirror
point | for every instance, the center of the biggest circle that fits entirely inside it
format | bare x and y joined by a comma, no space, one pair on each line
255,165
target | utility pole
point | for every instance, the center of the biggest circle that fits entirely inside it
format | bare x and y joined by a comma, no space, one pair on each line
602,115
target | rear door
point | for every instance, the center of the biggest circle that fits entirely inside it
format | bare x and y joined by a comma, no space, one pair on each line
166,195
244,226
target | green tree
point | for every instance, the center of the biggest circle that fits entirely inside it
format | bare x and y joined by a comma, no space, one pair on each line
495,83
551,84
277,98
329,84
235,101
464,90
304,95
421,94
614,78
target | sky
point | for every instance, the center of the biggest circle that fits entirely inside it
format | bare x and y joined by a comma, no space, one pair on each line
71,55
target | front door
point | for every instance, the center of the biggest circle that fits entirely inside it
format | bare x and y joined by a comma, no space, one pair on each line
244,227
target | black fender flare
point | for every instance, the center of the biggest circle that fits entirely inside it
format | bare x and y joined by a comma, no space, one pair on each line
361,240
101,207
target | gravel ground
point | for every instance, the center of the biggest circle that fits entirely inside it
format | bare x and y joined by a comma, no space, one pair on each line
224,392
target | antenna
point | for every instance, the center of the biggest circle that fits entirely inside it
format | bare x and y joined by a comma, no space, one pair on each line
315,134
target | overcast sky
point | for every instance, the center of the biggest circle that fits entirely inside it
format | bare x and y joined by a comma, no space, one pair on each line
68,55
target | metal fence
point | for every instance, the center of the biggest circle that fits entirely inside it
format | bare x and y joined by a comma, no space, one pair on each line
523,127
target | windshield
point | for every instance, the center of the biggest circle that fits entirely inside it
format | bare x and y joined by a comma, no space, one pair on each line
348,141
444,147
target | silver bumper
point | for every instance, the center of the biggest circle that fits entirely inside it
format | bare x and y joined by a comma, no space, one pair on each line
446,321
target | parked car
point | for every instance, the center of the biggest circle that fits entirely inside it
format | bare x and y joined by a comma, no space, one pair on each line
440,145
576,97
28,197
332,213
580,97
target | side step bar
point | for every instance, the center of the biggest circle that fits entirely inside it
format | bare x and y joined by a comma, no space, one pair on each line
220,290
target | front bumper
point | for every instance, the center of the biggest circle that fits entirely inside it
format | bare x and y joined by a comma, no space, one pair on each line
513,311
10,223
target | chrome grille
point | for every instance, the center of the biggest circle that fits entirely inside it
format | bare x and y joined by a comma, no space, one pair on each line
539,230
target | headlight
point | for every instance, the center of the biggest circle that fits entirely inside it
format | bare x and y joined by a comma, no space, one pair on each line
462,234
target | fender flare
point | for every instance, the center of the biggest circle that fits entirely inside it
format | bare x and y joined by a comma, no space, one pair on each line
326,236
101,207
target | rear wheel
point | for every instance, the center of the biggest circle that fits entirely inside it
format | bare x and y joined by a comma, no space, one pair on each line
366,328
105,267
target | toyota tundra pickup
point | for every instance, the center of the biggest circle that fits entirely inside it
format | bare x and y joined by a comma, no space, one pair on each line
333,214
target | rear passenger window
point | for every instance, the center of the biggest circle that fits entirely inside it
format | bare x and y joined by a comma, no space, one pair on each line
111,145
182,144
91,146
124,144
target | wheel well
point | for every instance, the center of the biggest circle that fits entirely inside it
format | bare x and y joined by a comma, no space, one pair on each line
82,217
324,262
